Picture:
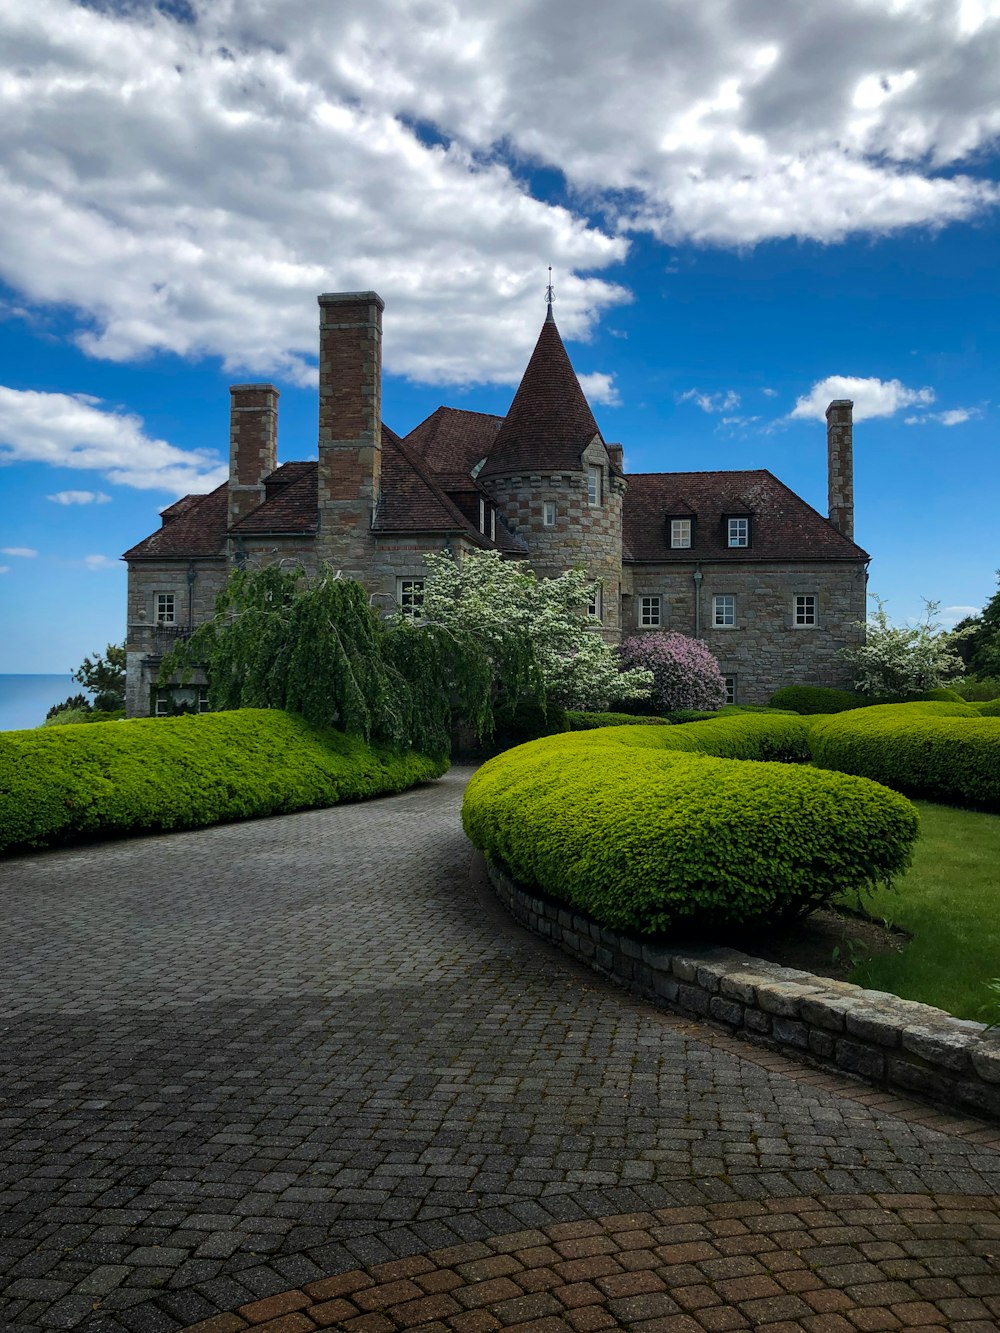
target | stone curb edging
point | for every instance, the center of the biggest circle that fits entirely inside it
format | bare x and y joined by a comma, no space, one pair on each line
892,1043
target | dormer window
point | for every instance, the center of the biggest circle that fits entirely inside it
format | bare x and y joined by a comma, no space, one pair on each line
680,533
594,485
487,520
738,532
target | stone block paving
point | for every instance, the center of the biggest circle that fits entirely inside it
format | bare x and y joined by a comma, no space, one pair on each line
245,1062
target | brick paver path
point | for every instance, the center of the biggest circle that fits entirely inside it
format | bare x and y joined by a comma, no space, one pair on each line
298,1073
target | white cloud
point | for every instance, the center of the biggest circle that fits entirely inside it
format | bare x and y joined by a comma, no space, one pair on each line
711,402
769,393
99,562
949,616
191,187
600,388
73,431
25,552
872,397
79,498
952,416
4,569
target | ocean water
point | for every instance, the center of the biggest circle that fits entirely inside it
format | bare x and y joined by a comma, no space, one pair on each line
24,700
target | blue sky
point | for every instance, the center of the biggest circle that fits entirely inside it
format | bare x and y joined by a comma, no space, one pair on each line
745,206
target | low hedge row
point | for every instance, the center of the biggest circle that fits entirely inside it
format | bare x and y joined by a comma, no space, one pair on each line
945,751
66,783
647,828
576,721
811,699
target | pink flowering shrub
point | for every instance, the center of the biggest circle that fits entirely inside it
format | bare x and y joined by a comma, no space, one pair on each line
685,673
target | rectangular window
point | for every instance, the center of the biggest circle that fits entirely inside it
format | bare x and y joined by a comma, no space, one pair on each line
680,532
724,612
805,610
482,514
649,613
410,596
172,703
594,485
594,606
739,532
730,689
549,514
493,525
165,607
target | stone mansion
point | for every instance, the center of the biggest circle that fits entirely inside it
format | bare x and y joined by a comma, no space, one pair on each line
734,558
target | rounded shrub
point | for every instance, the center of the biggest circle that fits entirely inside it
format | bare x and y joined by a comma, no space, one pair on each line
943,751
62,784
987,707
576,721
685,672
809,699
646,834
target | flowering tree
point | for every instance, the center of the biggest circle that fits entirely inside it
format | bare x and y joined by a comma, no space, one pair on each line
900,660
685,673
535,631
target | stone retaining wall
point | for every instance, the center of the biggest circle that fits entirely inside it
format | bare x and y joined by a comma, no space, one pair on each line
893,1043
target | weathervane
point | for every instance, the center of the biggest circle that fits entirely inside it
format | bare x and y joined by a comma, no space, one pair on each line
550,295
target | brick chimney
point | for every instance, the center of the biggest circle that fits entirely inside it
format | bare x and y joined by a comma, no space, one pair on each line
840,464
350,425
253,445
617,455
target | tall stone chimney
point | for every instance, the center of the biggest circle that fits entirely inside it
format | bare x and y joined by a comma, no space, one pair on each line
840,464
350,426
253,445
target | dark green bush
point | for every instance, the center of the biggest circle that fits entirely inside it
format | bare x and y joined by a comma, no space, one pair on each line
66,783
76,716
679,715
646,835
987,707
979,691
809,699
576,721
942,695
943,751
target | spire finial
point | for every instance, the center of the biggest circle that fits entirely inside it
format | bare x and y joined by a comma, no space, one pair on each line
550,295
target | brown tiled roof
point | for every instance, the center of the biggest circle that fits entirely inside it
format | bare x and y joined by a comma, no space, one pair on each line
198,529
287,508
179,507
550,422
782,525
452,440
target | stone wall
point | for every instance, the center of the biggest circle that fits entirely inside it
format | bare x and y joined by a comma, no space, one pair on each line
890,1042
764,650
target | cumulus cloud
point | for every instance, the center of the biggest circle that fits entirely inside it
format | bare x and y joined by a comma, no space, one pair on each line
711,402
190,187
769,393
99,562
75,431
872,397
79,498
949,616
25,552
952,416
600,388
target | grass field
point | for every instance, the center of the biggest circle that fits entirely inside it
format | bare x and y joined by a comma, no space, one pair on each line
950,901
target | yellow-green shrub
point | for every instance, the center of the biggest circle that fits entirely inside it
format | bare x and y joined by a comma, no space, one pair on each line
643,833
946,752
63,784
577,721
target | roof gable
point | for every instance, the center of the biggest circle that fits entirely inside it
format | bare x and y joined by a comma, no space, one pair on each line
452,440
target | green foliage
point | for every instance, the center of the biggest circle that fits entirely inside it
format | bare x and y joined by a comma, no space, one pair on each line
678,715
944,751
104,677
987,708
77,716
902,661
811,699
980,691
977,639
590,721
76,704
72,783
644,828
942,695
315,647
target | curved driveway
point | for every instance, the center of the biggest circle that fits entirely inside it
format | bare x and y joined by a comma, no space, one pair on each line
241,1060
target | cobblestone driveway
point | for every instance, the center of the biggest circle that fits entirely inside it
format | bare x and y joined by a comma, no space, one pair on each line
239,1061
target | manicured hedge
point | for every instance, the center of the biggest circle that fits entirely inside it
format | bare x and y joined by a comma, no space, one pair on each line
576,721
986,707
636,828
810,699
946,752
66,783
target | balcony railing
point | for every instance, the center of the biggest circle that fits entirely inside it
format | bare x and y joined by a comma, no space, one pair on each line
157,640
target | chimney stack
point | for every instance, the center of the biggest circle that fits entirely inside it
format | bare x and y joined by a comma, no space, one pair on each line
617,455
840,464
253,445
350,425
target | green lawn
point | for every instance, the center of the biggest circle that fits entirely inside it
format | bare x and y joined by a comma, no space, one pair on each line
950,901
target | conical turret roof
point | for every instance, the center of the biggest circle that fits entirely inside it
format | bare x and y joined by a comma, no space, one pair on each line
550,422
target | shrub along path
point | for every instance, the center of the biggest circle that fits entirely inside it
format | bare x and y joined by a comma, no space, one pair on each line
296,1074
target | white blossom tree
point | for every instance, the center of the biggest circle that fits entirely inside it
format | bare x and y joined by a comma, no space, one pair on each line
900,660
513,613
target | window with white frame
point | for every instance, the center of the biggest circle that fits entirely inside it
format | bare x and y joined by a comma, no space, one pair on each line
549,514
680,532
493,524
805,610
594,485
730,683
410,596
595,605
724,611
482,514
188,699
649,613
739,531
165,608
